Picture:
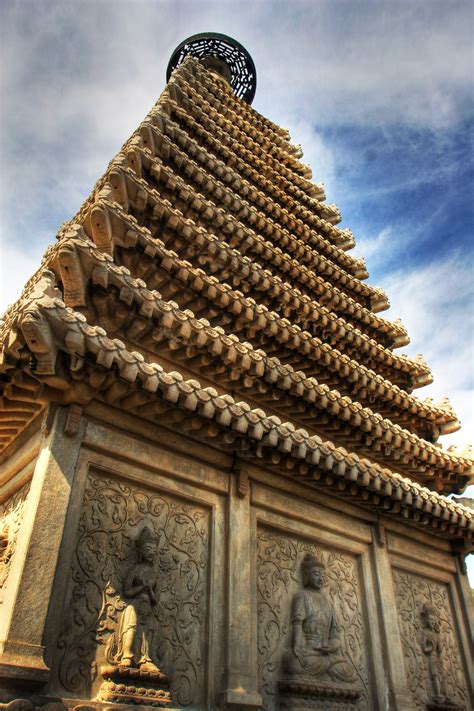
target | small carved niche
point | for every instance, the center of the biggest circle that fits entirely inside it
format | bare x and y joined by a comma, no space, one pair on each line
431,649
11,516
292,672
135,617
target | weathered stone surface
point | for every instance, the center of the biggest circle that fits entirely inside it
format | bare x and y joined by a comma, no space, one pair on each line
18,705
11,516
111,621
234,497
335,621
436,674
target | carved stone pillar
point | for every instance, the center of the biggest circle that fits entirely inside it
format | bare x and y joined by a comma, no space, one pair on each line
465,614
21,644
241,683
398,694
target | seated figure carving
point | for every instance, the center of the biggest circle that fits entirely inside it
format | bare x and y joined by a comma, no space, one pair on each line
315,642
136,631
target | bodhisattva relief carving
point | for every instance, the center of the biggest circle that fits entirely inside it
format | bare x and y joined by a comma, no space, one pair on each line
11,516
137,604
134,645
431,648
311,637
131,650
432,656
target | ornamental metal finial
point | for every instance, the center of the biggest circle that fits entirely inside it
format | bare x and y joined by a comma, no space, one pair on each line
223,55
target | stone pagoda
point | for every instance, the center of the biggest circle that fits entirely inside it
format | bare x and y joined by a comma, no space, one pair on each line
219,488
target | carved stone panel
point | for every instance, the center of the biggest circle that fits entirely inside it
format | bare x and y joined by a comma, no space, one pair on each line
326,668
11,516
432,656
137,601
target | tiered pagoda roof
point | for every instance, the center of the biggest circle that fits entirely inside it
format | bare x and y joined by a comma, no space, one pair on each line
205,285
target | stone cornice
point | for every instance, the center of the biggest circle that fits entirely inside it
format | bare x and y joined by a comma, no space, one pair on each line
76,262
48,326
125,231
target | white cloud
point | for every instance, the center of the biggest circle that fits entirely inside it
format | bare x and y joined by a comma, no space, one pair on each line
374,62
435,304
376,247
79,77
16,266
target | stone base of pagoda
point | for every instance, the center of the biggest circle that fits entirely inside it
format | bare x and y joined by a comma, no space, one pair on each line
442,704
129,685
240,700
304,694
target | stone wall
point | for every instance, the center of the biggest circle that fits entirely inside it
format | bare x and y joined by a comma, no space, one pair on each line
244,588
12,512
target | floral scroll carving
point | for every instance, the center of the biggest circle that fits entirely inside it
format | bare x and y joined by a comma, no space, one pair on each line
108,620
11,516
280,558
432,660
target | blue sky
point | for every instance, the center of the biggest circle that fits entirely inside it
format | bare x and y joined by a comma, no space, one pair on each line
378,93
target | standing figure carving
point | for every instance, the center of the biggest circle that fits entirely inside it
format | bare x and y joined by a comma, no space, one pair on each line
434,664
315,640
135,643
431,648
131,648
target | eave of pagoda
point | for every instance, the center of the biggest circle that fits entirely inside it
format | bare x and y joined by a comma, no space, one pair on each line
215,256
192,70
234,363
152,261
17,412
281,163
215,180
229,104
253,322
155,209
257,127
254,168
105,368
167,140
144,320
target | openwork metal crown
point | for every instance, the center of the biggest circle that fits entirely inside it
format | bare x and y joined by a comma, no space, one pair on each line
211,44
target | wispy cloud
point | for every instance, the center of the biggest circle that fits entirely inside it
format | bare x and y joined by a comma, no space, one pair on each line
17,265
435,302
376,62
378,93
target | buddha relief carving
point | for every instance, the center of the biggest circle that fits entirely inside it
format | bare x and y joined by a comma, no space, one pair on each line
315,639
131,650
311,640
